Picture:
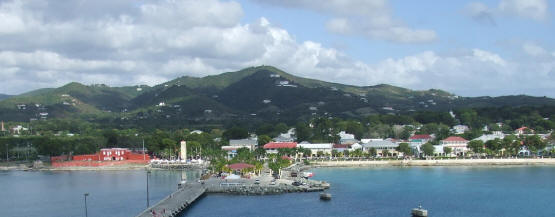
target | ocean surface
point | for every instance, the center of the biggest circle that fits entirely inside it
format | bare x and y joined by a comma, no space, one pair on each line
384,192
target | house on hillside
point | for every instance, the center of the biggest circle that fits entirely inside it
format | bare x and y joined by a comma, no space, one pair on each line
524,130
459,129
289,136
347,138
494,135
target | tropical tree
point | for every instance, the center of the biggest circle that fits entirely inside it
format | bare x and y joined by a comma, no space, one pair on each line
404,148
494,145
385,153
428,149
447,150
373,152
477,146
260,153
263,139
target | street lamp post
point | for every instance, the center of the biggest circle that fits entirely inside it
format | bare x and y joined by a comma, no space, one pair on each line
86,213
147,197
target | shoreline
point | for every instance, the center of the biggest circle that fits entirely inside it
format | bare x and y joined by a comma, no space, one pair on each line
322,164
439,162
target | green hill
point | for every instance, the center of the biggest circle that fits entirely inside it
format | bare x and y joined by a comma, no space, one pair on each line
4,96
256,93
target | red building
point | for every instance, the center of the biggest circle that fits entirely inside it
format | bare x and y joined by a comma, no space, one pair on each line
111,154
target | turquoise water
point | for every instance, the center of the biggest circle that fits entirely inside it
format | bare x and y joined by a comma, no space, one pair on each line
392,192
388,192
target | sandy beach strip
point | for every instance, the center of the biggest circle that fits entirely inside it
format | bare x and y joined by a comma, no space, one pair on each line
439,162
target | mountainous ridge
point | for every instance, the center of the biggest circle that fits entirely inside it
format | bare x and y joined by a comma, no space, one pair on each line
263,92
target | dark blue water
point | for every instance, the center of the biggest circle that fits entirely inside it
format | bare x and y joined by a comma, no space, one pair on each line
384,192
393,192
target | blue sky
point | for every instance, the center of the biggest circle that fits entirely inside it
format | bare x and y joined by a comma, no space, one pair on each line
469,48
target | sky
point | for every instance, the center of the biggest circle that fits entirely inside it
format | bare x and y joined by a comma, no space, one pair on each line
468,48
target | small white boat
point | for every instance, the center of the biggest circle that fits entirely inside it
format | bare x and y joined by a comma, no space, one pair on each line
325,196
419,212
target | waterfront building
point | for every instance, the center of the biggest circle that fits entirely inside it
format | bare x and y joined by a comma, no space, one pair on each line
273,147
420,138
356,146
110,154
341,147
381,147
416,141
314,148
457,144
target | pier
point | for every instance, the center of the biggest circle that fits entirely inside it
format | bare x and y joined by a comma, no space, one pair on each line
176,202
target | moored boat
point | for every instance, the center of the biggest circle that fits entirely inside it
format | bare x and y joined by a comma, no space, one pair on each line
419,212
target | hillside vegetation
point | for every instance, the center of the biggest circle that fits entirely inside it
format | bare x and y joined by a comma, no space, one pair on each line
254,94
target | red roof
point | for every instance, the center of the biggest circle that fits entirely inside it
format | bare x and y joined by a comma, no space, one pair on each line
240,166
523,129
275,145
455,139
286,158
420,136
341,146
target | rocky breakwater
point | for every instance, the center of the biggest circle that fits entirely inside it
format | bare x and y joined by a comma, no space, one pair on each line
253,187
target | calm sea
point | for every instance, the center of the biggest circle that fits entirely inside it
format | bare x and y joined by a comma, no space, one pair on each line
384,192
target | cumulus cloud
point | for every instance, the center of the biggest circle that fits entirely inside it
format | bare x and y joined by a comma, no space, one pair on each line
371,19
151,42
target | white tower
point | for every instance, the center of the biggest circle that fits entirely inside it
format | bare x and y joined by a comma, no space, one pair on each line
183,151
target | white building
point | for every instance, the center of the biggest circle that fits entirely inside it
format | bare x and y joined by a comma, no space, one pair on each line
460,129
457,144
316,147
381,147
235,144
487,137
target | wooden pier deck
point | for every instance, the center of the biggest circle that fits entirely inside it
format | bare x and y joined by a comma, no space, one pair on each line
176,202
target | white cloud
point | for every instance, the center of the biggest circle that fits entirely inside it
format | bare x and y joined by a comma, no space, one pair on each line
534,9
371,19
481,13
534,50
125,45
530,9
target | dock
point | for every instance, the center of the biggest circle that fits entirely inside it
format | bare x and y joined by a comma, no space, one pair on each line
176,202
